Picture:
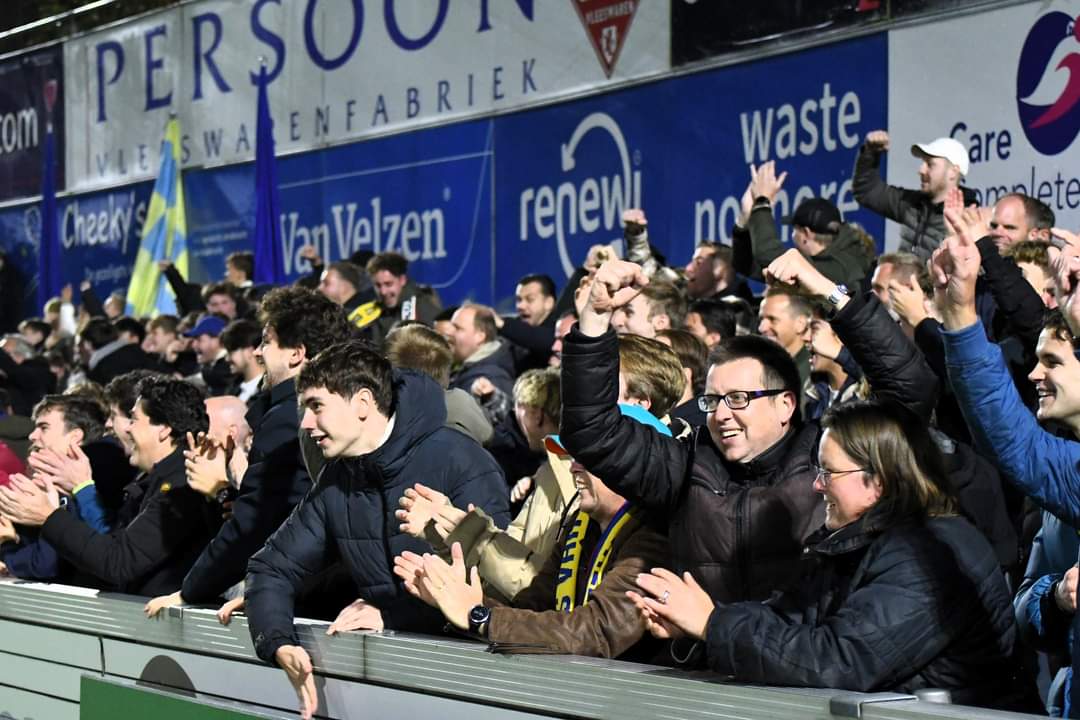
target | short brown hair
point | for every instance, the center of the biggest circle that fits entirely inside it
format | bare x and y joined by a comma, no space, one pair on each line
80,411
418,347
347,368
540,388
692,353
1030,251
651,371
908,264
392,262
663,297
167,323
800,303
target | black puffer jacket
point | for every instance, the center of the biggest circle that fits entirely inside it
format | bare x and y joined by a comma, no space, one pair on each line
349,516
740,528
910,607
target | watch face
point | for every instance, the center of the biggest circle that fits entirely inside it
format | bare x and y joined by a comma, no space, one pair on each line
479,614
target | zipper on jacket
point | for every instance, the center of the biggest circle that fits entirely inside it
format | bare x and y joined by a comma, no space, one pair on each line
742,546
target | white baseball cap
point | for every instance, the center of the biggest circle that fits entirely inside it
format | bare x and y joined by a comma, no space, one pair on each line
952,150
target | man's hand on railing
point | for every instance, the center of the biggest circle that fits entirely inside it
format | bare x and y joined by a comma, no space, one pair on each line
155,606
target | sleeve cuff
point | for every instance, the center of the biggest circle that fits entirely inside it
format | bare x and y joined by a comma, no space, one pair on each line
82,486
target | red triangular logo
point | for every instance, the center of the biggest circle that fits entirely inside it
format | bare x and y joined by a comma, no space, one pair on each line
607,23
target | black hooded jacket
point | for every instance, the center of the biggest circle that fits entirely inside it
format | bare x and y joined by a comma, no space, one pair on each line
349,517
909,607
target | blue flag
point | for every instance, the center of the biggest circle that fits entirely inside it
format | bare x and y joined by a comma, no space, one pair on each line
49,259
269,259
164,236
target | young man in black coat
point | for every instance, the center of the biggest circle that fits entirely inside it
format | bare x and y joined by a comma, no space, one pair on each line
382,431
171,524
297,325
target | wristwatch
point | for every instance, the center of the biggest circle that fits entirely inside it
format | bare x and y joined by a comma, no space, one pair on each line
838,293
478,620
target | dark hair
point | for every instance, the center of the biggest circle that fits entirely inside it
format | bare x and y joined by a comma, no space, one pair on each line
80,412
1054,322
243,261
130,325
347,368
123,390
447,314
349,273
240,334
36,325
304,318
418,347
778,370
547,285
693,354
889,441
717,316
99,332
176,404
392,262
221,288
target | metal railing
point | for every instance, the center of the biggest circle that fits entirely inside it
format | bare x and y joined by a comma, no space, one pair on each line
51,635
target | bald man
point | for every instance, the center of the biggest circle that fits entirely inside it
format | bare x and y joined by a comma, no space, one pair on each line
228,421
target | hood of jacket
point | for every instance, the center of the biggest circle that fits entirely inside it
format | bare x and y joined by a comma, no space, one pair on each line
419,410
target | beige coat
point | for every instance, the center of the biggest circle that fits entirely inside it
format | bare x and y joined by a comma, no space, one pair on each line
508,561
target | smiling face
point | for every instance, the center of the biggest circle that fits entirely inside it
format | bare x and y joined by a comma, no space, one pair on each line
848,494
335,423
388,287
1057,380
119,423
742,435
595,499
1009,223
149,442
50,433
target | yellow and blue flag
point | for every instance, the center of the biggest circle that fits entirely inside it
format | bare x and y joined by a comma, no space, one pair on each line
164,236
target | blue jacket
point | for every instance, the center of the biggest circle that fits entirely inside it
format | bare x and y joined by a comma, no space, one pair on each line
1041,622
349,516
1044,467
33,558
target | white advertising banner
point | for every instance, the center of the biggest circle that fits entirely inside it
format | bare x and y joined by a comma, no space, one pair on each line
339,70
1004,83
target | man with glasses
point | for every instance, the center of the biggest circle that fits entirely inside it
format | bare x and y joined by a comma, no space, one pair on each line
738,495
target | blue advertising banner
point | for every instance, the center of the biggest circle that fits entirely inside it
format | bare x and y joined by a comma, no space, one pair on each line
475,205
680,149
426,195
99,238
29,83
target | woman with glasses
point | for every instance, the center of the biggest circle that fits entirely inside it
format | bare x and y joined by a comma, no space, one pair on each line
900,592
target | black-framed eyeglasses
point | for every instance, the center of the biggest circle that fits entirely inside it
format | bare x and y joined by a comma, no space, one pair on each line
736,399
825,477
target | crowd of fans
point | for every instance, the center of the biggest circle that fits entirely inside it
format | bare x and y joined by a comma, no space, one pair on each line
863,477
